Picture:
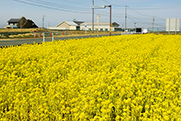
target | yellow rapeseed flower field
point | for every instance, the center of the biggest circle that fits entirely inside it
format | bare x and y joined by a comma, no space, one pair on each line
118,78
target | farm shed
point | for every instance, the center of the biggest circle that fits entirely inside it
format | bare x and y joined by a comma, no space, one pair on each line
68,25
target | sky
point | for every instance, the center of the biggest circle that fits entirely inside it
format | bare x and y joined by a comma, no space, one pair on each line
140,12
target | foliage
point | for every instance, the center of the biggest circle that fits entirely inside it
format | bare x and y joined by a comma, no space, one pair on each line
23,30
9,34
128,77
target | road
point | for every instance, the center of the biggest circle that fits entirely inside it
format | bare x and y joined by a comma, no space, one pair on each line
4,43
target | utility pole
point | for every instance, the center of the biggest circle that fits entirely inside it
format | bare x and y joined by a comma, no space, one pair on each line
153,24
43,19
110,17
92,16
102,7
135,25
125,17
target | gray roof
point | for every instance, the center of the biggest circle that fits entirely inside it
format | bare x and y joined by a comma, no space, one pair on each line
78,22
71,23
14,20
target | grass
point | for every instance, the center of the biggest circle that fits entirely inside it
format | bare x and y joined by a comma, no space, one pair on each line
28,33
22,30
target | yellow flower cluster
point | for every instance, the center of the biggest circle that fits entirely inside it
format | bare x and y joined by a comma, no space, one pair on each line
128,77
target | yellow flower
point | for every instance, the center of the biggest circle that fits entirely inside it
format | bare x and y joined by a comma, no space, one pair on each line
107,78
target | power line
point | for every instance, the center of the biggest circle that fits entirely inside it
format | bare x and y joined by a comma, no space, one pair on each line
130,18
147,8
137,12
142,21
144,14
113,4
116,15
75,9
138,19
106,1
56,4
70,1
50,7
47,5
160,18
160,7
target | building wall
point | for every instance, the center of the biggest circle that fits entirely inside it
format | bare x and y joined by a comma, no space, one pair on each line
13,23
57,28
64,25
99,27
72,28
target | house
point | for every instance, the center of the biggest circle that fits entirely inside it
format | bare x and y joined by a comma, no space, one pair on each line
26,23
101,26
13,21
20,23
67,25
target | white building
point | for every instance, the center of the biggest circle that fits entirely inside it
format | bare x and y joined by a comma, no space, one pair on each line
67,25
101,26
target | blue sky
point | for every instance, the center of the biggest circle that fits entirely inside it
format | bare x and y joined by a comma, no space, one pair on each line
140,12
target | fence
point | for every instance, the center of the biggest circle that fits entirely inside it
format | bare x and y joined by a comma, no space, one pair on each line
162,30
44,34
